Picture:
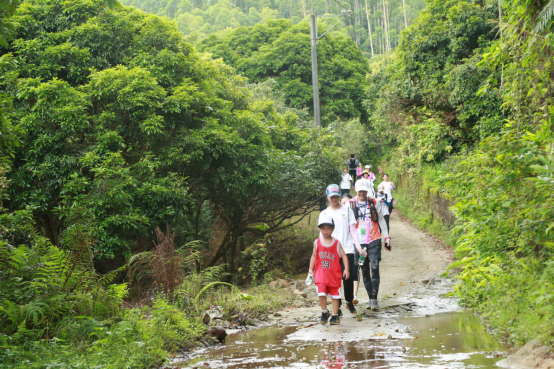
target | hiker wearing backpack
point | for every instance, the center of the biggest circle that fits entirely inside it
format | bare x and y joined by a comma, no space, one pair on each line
345,232
369,218
352,165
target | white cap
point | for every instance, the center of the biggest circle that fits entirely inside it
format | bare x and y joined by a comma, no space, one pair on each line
368,166
362,185
380,188
325,219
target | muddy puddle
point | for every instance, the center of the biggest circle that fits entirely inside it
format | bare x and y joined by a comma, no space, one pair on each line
421,330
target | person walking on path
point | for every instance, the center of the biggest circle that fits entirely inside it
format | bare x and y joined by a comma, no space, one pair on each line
325,266
383,198
345,232
365,177
359,171
387,189
346,182
352,164
371,174
369,215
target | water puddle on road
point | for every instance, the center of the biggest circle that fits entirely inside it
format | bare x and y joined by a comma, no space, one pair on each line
423,337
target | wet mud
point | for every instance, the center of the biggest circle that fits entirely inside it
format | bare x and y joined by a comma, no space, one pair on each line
424,329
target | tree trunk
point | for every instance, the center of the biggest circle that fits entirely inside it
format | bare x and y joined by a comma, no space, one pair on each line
386,26
405,16
369,29
357,21
303,2
291,9
50,225
231,255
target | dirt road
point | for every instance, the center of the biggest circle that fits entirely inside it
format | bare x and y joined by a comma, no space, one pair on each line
415,261
416,327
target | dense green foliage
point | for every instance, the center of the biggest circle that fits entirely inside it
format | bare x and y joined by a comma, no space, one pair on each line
424,98
279,50
125,128
466,110
374,25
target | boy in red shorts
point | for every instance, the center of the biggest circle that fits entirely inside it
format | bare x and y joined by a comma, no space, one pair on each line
325,265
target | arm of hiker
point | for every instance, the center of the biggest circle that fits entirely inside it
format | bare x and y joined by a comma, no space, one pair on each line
383,226
312,260
354,233
346,273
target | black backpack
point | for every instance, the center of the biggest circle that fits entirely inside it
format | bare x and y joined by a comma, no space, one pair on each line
371,208
352,163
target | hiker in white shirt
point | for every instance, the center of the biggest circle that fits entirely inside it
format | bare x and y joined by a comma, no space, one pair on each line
387,189
346,182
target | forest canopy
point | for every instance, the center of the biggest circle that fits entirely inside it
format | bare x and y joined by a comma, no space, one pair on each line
278,50
374,25
119,126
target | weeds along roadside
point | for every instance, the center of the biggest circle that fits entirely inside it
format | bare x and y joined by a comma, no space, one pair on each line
505,273
56,310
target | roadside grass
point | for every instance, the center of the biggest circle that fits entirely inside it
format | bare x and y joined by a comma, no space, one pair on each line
422,216
139,337
515,296
511,306
418,211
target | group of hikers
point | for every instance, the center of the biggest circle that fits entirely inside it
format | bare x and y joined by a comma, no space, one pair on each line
351,229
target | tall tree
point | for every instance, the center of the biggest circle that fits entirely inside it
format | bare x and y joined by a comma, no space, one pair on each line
367,12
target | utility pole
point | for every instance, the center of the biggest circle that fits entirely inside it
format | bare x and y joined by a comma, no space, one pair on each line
315,37
313,34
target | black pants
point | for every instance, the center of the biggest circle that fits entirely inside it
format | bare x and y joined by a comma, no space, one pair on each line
349,283
352,173
344,191
370,270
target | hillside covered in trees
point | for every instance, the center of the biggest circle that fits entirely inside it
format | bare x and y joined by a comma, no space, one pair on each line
374,25
463,109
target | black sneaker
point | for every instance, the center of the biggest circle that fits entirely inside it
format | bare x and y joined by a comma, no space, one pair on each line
340,312
351,308
335,319
324,317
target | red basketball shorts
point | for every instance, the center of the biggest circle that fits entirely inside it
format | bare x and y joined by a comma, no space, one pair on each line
323,290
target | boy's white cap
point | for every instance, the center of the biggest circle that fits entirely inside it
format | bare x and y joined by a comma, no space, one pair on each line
325,219
368,166
362,185
380,188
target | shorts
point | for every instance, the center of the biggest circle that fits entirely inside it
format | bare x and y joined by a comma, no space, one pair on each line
323,290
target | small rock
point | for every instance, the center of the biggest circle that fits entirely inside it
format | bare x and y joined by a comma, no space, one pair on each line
254,322
274,284
283,283
277,314
389,337
211,315
300,293
217,332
